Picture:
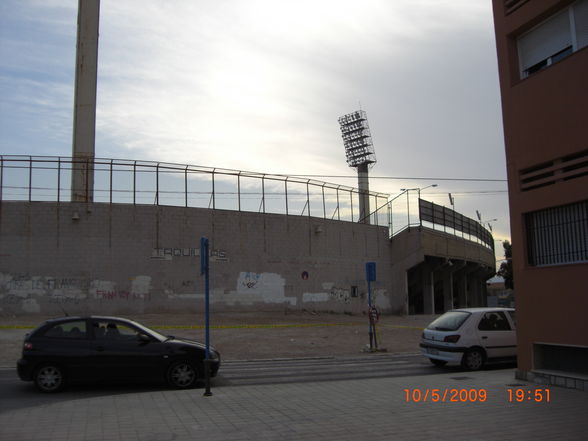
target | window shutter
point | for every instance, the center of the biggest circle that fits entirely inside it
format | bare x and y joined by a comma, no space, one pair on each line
545,40
581,23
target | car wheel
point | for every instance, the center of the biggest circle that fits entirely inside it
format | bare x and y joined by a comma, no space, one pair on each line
438,362
473,359
182,375
49,378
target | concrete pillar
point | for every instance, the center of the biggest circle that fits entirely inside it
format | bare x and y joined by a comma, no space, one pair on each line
473,292
462,290
428,291
84,126
447,290
363,185
405,292
479,292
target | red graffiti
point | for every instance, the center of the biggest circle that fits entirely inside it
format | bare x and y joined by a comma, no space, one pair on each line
121,295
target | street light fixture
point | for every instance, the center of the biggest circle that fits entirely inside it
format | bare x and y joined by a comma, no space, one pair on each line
488,222
359,151
418,189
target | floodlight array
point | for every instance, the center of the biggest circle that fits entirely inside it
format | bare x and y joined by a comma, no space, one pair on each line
357,139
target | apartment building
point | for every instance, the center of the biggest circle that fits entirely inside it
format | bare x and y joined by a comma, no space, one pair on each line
542,48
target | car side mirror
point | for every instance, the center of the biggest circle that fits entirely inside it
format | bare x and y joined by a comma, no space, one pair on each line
143,338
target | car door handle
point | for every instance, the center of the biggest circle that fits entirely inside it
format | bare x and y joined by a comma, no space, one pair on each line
484,337
100,348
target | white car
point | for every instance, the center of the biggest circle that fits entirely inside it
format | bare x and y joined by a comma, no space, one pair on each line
471,336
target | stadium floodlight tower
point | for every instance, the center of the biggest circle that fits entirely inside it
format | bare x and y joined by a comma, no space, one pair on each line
360,154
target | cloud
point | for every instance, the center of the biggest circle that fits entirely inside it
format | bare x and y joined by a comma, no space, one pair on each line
194,81
258,85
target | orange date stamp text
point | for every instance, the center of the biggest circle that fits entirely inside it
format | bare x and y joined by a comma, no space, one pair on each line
446,395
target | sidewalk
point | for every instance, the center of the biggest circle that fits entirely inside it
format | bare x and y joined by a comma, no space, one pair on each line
352,410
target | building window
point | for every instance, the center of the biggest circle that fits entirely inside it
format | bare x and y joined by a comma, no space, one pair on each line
558,235
554,39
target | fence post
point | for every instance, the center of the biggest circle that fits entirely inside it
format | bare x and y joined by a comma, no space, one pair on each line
408,210
157,184
239,190
135,183
30,177
213,190
308,196
263,192
390,220
324,205
186,187
111,161
338,211
286,193
58,179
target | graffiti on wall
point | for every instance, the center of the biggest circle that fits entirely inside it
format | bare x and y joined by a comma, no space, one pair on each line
23,292
27,293
258,288
330,293
250,280
105,290
171,253
340,295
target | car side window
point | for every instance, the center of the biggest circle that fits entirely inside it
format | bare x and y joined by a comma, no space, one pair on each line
513,317
494,321
111,330
68,330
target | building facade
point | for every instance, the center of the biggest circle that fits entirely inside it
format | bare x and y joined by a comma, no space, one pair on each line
542,49
277,243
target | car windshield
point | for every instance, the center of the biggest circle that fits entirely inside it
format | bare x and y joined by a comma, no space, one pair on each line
450,321
150,331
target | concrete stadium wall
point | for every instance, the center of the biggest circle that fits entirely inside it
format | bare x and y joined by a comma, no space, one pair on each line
119,259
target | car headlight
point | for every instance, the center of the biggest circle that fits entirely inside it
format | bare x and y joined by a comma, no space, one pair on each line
213,355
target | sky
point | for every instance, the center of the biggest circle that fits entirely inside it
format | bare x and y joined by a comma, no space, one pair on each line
258,85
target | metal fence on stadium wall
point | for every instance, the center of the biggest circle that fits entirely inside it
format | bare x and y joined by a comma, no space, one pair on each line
118,181
407,210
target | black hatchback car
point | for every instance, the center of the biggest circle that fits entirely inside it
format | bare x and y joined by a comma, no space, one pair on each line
72,349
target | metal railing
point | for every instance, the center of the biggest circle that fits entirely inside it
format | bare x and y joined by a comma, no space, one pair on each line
407,210
121,181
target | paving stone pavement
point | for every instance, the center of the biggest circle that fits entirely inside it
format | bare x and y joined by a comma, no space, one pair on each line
374,409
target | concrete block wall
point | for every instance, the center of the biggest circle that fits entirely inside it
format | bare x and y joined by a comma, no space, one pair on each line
117,259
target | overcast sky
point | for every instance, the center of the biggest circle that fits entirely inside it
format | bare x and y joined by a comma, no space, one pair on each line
258,85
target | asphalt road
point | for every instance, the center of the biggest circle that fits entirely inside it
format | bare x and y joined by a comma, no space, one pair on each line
16,394
256,372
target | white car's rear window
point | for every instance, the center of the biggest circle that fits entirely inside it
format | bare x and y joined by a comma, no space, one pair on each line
450,321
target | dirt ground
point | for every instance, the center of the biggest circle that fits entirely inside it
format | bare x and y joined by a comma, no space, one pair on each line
260,335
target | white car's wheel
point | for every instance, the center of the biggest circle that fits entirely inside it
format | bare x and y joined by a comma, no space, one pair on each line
473,359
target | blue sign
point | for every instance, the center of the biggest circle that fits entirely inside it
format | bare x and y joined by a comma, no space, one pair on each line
370,271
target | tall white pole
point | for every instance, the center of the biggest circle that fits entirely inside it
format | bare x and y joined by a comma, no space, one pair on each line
84,125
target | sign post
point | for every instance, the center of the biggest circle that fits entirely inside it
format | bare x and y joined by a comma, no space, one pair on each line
370,272
204,270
